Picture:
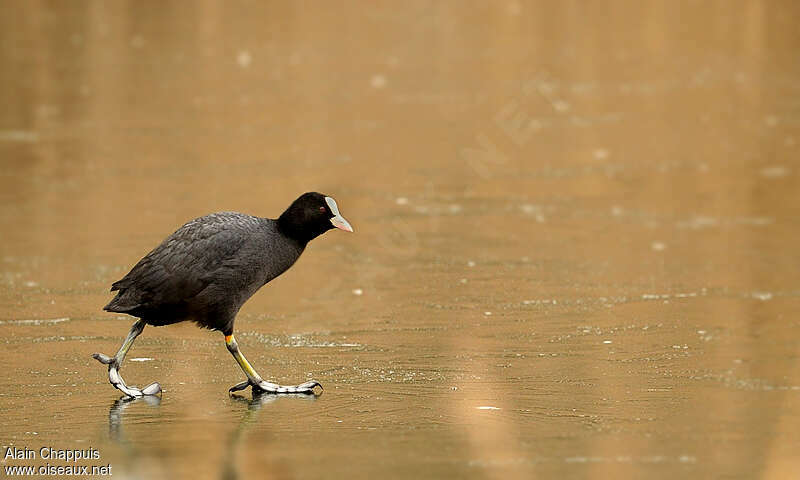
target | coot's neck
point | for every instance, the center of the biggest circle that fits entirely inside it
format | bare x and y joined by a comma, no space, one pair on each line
302,233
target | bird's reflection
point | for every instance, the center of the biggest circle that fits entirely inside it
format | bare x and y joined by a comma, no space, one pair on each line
249,416
115,431
117,410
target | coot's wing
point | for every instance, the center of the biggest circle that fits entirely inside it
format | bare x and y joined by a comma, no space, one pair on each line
184,264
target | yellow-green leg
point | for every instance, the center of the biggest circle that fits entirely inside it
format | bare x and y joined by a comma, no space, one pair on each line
115,364
255,380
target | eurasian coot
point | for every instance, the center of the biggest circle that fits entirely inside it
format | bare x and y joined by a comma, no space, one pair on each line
208,268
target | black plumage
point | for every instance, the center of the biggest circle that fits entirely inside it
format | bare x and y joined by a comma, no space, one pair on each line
208,268
205,271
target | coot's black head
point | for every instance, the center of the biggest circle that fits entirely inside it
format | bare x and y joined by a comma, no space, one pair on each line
311,215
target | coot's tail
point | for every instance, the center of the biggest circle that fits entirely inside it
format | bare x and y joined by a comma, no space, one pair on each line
122,303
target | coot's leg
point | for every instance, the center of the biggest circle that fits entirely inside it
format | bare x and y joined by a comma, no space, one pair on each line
115,363
254,379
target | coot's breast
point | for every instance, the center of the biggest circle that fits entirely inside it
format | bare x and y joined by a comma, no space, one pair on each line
265,255
262,257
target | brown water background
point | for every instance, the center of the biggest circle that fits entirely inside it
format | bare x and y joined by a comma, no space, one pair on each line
576,249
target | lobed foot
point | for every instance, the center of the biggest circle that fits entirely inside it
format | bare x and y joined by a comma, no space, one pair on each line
267,387
119,383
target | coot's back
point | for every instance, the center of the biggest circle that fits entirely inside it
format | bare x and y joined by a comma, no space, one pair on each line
205,271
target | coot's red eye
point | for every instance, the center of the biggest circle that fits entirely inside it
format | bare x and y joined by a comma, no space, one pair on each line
321,209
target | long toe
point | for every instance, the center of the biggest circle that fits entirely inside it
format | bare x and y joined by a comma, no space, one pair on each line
307,387
152,389
268,387
104,359
132,392
239,386
116,379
